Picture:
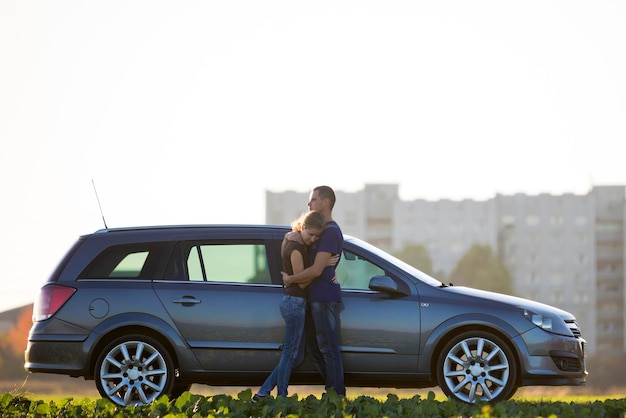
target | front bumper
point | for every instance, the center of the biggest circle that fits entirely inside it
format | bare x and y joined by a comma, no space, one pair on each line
552,360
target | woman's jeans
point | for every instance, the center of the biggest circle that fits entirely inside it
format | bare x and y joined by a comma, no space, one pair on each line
293,310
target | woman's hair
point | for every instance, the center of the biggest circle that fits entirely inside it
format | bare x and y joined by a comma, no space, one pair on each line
312,220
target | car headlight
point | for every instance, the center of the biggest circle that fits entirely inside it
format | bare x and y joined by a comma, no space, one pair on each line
538,319
546,321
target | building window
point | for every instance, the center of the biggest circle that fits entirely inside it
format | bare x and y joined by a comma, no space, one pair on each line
532,220
556,220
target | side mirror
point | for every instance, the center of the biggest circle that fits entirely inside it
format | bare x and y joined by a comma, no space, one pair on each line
385,284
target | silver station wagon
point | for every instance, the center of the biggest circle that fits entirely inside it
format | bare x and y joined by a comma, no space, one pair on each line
149,311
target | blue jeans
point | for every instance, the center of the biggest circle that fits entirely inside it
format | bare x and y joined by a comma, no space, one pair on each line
293,310
312,349
326,318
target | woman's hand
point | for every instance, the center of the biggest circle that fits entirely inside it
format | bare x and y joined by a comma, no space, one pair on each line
333,260
286,278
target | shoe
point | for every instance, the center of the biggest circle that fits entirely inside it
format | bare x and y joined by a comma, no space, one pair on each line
257,398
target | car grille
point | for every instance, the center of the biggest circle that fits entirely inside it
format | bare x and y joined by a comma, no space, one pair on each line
573,326
566,364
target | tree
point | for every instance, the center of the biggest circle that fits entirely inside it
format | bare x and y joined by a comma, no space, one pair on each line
13,343
17,337
480,268
417,256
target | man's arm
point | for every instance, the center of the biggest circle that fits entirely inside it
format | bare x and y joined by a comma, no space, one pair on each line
322,260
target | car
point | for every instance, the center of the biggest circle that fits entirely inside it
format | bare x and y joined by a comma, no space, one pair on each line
149,311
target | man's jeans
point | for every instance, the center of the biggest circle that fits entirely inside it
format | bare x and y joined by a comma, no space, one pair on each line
293,310
326,317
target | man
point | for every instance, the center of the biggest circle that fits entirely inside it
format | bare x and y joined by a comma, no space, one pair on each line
324,293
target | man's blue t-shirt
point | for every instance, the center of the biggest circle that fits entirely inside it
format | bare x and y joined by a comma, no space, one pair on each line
322,289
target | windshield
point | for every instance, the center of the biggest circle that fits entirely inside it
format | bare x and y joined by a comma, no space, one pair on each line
395,261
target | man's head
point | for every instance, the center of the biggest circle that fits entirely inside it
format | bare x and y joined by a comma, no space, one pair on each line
322,199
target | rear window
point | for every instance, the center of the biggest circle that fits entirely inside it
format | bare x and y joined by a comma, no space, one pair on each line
129,261
68,256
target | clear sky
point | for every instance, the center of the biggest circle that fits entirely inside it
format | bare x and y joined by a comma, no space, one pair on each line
188,111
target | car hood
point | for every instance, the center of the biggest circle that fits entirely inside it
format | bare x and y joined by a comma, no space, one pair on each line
509,300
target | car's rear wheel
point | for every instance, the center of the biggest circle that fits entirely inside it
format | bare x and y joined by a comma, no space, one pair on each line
134,370
179,389
477,366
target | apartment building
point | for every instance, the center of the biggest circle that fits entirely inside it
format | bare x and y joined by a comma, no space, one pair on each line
547,243
367,214
609,276
565,250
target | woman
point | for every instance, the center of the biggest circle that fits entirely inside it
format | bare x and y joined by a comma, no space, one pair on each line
295,256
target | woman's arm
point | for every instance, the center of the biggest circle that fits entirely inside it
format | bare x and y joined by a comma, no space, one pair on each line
297,261
297,264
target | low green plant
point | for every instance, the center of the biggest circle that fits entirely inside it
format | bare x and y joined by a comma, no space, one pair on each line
327,405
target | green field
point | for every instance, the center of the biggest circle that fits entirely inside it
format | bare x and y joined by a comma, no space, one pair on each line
330,405
80,398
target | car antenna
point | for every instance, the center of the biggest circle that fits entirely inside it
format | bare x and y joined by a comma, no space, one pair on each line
100,206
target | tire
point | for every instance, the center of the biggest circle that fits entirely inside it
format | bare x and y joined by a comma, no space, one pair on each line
134,370
477,366
179,389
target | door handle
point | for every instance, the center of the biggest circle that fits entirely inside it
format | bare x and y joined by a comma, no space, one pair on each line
187,300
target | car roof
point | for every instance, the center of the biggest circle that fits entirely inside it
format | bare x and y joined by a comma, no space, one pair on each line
192,227
166,232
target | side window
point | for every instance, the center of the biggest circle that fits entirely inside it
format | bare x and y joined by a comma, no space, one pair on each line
127,261
354,272
131,265
194,265
235,263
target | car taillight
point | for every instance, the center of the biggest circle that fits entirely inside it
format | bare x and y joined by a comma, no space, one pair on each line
50,299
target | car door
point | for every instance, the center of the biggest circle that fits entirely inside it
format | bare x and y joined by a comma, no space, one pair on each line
220,295
380,332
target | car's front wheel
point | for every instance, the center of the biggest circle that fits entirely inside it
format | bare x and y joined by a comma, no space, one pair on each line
477,366
134,370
